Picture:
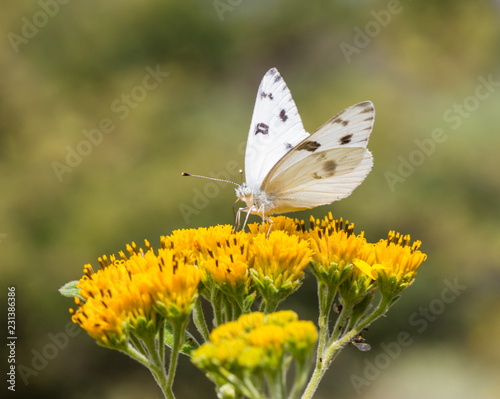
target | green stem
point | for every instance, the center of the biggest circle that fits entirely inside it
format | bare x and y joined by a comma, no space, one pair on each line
138,345
228,309
301,374
199,320
136,355
334,347
245,386
274,384
161,341
339,324
157,367
326,297
178,330
270,304
237,307
217,307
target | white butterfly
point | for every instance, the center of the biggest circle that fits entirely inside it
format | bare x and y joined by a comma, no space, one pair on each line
288,169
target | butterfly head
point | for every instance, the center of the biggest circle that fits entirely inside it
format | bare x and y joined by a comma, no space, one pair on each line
245,193
257,200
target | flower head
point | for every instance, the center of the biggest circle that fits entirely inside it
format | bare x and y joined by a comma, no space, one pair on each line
223,256
135,293
335,247
393,262
254,344
278,264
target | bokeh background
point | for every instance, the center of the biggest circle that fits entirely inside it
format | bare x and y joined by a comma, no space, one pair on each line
430,67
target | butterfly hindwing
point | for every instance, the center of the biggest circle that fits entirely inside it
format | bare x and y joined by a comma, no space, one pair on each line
275,129
349,128
318,179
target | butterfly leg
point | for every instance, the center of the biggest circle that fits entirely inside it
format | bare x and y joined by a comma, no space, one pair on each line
248,210
238,218
268,219
236,215
265,219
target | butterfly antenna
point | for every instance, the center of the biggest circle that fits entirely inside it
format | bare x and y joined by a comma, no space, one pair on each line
210,178
241,175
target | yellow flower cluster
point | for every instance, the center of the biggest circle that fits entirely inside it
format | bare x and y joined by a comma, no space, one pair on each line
335,245
133,292
256,342
227,257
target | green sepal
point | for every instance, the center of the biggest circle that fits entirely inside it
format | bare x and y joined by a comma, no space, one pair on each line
333,275
189,345
248,302
70,290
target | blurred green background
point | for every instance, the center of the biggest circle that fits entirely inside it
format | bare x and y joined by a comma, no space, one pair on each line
432,69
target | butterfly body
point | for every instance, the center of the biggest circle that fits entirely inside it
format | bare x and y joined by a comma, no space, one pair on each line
288,169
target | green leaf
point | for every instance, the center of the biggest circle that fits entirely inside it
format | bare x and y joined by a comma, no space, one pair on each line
189,345
70,290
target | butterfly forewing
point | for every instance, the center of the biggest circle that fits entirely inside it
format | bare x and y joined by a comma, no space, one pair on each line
349,128
275,128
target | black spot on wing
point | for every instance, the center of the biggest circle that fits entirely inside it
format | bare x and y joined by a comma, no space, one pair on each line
367,107
268,95
261,128
309,146
346,139
288,146
340,121
277,78
329,168
283,115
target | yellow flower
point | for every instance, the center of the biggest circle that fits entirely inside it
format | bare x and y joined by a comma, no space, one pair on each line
280,223
271,338
106,325
223,256
334,242
252,320
251,358
282,317
172,285
255,341
301,336
230,330
134,292
393,258
280,258
183,241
